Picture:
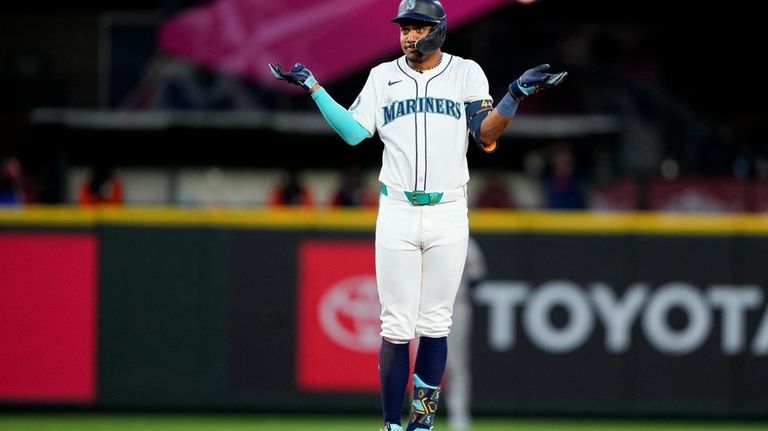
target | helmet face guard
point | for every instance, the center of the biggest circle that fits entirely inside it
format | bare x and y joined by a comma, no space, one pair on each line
430,12
435,39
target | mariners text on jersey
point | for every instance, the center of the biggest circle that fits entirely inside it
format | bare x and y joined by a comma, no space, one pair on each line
434,105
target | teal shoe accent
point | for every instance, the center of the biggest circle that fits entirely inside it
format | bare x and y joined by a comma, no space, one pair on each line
417,382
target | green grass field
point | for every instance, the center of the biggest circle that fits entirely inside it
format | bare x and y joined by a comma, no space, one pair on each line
126,422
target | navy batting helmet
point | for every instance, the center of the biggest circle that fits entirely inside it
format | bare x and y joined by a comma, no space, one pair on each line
428,11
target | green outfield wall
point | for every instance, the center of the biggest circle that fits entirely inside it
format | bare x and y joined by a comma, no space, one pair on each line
255,310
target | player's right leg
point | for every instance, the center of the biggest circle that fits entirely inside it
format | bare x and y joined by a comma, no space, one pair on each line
394,363
398,276
398,268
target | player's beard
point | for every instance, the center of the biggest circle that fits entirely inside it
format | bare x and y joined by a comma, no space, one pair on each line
415,57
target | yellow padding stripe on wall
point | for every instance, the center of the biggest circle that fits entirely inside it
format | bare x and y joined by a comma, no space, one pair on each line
341,219
612,223
68,216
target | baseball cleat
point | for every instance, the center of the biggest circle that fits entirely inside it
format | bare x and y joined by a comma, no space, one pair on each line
424,405
391,427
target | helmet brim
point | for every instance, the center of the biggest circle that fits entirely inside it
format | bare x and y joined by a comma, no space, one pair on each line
414,16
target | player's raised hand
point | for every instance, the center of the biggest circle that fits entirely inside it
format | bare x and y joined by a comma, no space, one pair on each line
299,75
535,80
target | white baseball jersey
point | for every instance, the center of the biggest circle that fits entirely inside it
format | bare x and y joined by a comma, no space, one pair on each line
421,120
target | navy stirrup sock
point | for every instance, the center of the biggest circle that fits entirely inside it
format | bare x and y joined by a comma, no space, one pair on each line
430,359
394,370
430,365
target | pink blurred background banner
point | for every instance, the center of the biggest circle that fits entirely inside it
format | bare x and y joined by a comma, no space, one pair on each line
331,37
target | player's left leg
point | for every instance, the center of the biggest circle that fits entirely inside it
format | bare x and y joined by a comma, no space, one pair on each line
445,250
446,235
426,398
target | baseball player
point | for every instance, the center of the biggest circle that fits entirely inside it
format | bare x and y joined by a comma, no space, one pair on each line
423,105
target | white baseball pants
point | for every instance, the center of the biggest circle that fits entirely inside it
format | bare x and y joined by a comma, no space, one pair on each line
420,256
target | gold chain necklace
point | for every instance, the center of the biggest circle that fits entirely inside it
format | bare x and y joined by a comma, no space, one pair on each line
424,70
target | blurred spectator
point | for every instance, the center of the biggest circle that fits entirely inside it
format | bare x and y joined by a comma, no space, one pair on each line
102,186
11,189
353,191
494,193
564,185
291,192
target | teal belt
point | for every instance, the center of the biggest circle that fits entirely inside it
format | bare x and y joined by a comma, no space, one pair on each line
417,197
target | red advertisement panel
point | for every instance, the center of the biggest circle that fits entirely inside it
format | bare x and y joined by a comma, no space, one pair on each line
48,317
338,339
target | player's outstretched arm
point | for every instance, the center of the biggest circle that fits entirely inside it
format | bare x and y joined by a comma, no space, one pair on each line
339,118
530,82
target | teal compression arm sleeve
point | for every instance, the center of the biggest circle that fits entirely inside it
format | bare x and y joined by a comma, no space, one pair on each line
339,118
